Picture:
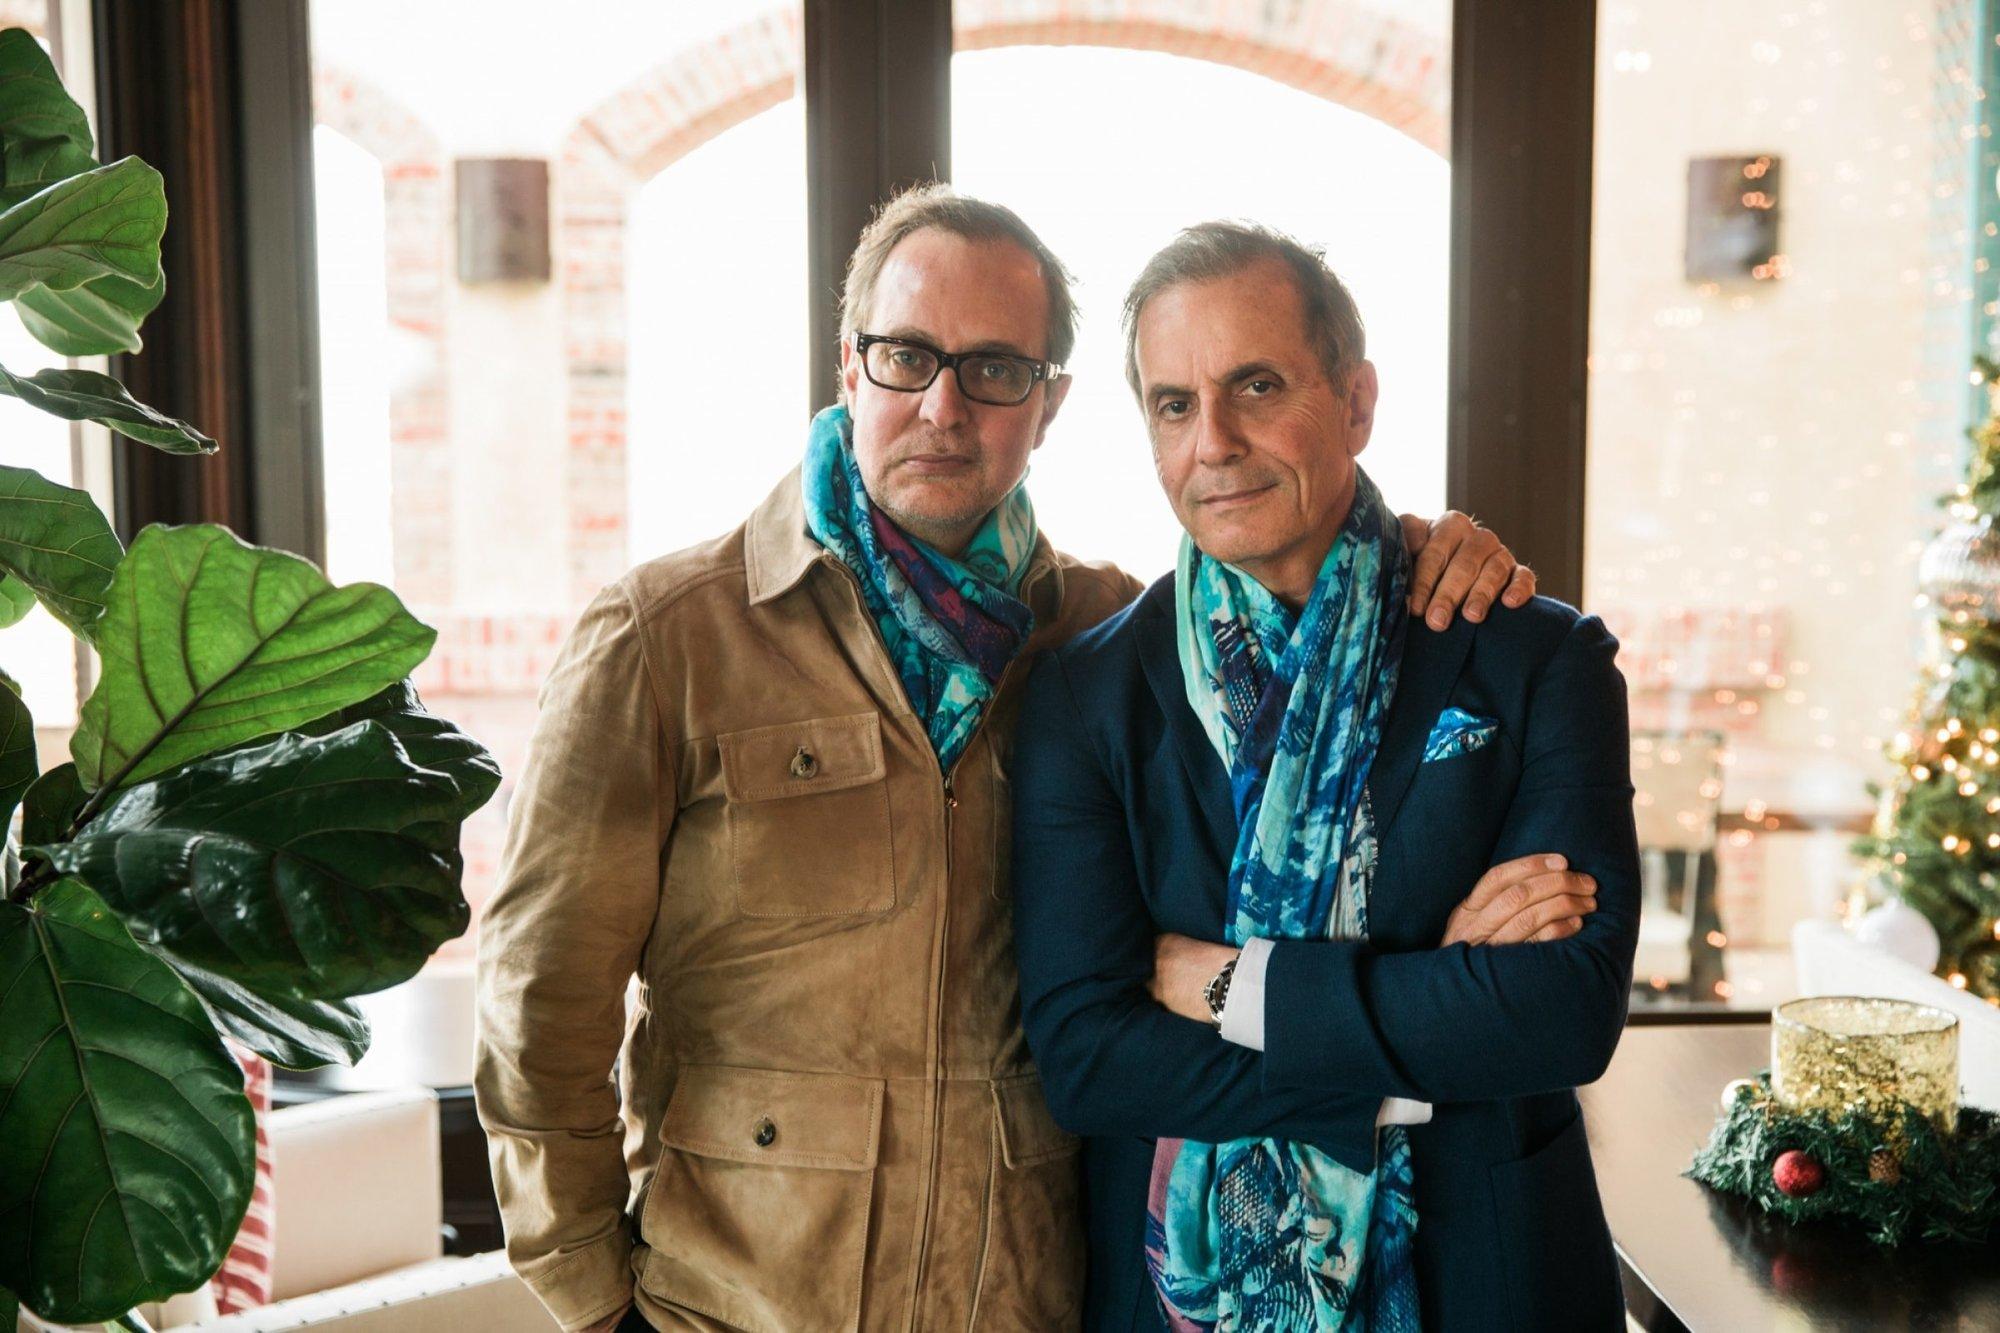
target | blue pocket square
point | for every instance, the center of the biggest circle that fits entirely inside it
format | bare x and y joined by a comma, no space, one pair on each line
1458,732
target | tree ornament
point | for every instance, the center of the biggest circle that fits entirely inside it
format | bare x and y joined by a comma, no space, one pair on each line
1885,1167
1902,932
1798,1175
1960,571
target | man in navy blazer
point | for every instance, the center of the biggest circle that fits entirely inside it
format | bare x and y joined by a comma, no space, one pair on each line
1500,792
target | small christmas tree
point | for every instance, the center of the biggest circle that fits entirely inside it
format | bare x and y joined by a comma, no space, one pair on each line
1936,840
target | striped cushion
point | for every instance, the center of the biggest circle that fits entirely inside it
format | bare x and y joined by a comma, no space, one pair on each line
244,1282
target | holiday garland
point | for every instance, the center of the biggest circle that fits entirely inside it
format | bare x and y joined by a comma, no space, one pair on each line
1896,1176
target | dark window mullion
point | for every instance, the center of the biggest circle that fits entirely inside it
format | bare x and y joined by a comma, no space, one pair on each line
1521,124
878,118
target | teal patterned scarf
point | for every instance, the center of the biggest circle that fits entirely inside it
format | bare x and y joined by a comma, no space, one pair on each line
951,626
1266,1234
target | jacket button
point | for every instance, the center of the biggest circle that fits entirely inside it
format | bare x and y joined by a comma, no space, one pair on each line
804,765
767,1133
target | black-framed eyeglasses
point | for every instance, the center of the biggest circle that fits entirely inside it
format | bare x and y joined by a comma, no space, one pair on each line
996,378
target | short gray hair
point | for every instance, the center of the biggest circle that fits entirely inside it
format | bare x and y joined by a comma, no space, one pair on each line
938,205
1210,250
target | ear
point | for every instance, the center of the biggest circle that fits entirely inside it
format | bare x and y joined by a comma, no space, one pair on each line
1362,389
850,372
1053,394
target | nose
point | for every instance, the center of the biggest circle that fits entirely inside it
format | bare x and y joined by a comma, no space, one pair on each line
944,405
1216,440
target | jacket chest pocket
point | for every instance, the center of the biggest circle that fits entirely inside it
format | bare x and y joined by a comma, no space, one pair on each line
808,818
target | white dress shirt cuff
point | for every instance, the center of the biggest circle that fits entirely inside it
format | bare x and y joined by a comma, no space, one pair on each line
1243,1011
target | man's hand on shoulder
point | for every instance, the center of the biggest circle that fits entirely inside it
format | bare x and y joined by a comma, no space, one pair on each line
1528,900
1461,565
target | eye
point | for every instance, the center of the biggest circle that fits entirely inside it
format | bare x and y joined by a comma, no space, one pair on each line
1260,388
905,356
1173,407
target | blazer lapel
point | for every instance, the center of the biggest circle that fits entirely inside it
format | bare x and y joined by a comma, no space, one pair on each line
1432,661
1160,656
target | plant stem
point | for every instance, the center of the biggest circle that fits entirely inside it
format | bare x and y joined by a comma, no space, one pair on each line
37,877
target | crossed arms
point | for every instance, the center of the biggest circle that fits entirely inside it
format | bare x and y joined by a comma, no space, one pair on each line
1346,1026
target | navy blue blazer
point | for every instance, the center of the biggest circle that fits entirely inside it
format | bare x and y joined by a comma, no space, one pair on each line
1124,829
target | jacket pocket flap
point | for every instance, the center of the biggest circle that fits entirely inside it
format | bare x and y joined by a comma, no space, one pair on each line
775,1118
1028,1133
801,758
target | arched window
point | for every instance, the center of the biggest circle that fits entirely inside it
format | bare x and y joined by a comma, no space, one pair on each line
358,360
717,322
1141,144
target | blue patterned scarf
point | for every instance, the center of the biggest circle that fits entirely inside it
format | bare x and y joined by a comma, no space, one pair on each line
1267,1234
951,626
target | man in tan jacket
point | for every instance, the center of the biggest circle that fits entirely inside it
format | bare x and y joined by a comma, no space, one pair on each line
770,780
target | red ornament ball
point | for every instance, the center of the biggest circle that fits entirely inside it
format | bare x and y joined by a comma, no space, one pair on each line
1798,1174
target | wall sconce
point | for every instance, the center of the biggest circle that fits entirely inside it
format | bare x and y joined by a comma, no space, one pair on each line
1732,220
503,219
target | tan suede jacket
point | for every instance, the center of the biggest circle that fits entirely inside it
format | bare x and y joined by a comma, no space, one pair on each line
829,1119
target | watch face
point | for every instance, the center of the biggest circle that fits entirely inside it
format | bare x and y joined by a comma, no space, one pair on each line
1217,994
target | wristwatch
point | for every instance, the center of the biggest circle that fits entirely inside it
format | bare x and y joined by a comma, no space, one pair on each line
1217,993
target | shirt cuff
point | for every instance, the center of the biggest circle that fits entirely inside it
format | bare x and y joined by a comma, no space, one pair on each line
1243,1011
1402,1111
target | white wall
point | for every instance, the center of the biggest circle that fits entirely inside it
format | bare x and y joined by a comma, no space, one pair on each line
1765,445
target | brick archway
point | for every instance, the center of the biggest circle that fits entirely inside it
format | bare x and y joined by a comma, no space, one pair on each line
1390,70
416,222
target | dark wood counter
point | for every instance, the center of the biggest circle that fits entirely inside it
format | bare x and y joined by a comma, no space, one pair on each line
1714,1265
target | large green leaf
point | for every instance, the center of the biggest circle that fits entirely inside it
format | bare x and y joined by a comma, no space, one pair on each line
101,317
45,138
33,165
44,135
106,222
52,805
16,600
314,867
127,1149
34,105
18,768
58,542
284,1029
209,642
85,395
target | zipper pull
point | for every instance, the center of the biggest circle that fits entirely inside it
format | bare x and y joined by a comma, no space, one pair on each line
950,796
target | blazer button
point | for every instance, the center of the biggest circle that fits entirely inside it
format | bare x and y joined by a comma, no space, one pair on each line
767,1133
804,765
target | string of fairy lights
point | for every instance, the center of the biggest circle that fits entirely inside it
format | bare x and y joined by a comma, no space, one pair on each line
1724,473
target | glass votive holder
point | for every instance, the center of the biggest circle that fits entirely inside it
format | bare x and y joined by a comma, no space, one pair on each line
1838,1053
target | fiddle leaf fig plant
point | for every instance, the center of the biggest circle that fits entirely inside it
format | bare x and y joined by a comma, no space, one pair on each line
259,820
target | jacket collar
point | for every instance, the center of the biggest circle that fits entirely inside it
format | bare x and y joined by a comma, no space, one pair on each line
778,552
777,549
1432,662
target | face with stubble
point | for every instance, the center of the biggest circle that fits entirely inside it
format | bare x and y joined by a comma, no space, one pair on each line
935,461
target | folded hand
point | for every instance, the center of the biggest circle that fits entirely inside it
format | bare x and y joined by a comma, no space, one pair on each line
1528,900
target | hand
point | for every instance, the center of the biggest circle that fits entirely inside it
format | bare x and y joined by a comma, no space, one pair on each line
1528,900
1182,969
1460,564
